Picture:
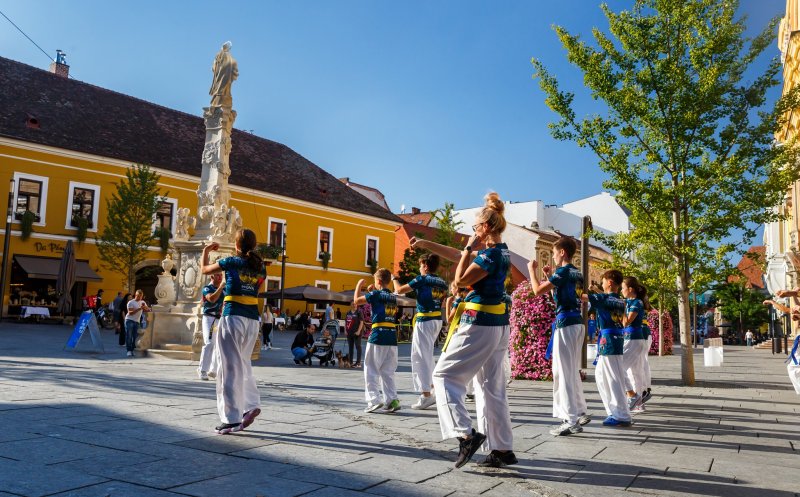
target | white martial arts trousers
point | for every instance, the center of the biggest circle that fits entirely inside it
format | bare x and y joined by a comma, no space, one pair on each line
237,391
634,362
610,378
475,351
207,352
380,364
794,375
425,334
648,379
568,400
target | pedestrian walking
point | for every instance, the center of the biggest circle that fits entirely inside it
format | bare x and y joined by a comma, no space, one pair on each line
431,290
121,318
238,400
477,343
212,310
354,327
267,323
380,358
566,283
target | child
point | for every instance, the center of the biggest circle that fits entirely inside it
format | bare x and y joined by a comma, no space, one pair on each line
238,399
213,294
635,348
609,373
569,404
380,358
430,289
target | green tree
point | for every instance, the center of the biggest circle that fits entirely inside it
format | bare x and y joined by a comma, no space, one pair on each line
447,225
683,132
742,304
409,266
128,231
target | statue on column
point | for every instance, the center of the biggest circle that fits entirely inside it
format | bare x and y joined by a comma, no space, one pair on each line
225,72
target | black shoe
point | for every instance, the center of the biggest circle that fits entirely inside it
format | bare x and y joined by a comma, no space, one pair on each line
468,447
226,428
497,459
296,361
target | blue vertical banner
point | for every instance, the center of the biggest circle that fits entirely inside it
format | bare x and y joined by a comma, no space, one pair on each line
86,322
592,329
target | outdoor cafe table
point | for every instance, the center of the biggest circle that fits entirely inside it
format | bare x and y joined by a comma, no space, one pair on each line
38,312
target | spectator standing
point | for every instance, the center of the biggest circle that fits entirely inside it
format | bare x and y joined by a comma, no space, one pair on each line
353,326
116,308
133,318
329,314
267,322
120,317
749,337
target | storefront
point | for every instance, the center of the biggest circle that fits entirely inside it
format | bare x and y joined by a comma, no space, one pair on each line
33,283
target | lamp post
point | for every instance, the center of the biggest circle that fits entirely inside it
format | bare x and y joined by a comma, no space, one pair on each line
586,228
6,246
283,268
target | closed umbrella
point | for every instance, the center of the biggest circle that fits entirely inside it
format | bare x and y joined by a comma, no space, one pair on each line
66,280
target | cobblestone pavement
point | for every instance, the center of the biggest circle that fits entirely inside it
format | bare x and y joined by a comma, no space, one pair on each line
84,424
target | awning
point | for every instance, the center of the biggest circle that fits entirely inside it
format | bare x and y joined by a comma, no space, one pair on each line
46,268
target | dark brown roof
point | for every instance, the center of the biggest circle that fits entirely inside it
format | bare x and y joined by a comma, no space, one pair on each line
85,118
421,218
752,267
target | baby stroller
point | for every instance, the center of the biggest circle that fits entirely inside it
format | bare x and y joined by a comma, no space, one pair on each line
323,346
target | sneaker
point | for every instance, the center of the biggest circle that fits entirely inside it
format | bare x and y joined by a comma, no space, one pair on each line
212,374
634,401
646,396
612,421
424,402
264,347
584,419
130,354
497,459
468,447
638,409
269,346
373,407
226,428
202,375
297,362
565,429
393,406
470,397
249,417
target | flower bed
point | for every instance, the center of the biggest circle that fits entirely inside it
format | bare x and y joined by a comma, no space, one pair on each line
652,320
531,320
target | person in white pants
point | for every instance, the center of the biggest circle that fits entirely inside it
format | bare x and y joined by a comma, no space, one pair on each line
431,290
634,356
212,307
566,283
609,373
380,358
238,399
477,344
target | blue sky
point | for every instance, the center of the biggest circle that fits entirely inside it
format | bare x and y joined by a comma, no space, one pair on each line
429,101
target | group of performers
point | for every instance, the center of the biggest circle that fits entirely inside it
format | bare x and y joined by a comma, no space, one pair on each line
475,355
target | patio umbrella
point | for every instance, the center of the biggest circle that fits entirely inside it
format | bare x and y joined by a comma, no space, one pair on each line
402,301
307,293
66,280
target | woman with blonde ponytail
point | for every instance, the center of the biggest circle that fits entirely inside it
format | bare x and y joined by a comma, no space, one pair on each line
477,343
238,399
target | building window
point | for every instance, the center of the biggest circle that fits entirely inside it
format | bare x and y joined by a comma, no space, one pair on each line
82,206
327,286
30,194
82,203
372,251
29,197
277,229
164,216
324,242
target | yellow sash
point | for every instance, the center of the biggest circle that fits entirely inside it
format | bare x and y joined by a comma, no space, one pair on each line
383,325
242,299
431,314
472,306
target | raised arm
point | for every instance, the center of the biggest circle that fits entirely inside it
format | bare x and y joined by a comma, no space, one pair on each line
359,299
539,287
443,251
778,306
205,267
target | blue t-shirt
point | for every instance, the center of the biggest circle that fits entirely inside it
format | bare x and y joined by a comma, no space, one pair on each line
635,305
491,289
384,307
430,289
211,308
242,281
610,308
568,283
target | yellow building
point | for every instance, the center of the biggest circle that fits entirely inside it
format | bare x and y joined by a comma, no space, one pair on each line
66,144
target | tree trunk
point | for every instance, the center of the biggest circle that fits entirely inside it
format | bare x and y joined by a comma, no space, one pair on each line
660,329
684,316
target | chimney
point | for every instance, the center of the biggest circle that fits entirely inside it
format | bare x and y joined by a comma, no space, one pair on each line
60,67
415,210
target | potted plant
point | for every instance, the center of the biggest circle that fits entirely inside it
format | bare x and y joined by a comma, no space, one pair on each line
325,257
163,235
83,227
26,224
373,265
267,251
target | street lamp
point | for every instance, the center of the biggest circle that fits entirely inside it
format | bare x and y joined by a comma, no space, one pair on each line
283,269
6,245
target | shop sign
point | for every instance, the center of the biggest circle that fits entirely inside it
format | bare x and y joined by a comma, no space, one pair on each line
52,247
